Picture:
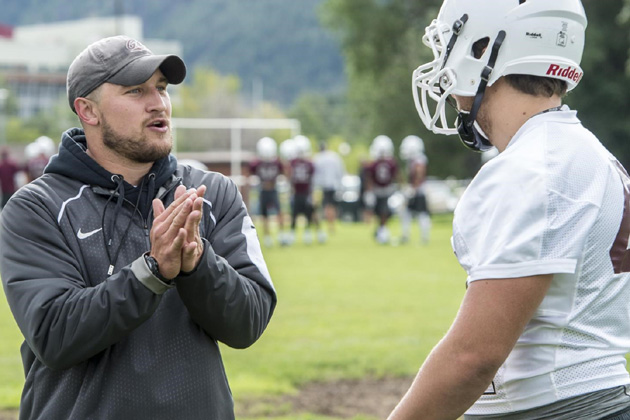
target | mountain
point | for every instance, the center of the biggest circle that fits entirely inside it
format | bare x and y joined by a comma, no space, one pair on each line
277,44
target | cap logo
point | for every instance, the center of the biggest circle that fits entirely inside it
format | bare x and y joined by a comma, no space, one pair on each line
133,45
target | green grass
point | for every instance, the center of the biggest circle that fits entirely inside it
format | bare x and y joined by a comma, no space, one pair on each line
11,373
347,309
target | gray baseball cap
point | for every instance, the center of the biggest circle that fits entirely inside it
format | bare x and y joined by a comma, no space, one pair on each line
119,60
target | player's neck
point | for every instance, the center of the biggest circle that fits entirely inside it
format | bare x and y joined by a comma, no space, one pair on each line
509,109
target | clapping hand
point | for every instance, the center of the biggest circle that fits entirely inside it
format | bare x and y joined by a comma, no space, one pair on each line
175,239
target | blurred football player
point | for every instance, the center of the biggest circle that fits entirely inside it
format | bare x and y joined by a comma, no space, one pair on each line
267,167
381,184
301,172
329,170
38,153
415,206
542,229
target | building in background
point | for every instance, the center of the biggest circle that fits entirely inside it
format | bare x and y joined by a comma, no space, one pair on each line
34,59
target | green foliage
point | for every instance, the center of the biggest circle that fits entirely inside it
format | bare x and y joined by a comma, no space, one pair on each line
11,373
50,122
19,131
208,94
604,92
321,116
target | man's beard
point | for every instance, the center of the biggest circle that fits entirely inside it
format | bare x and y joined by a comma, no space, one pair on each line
135,149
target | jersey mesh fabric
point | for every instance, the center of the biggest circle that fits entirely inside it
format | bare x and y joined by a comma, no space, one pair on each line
551,203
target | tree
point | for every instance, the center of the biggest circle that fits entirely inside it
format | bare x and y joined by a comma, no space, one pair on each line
604,92
322,116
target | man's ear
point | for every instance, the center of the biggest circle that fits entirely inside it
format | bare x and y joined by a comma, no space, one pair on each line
87,111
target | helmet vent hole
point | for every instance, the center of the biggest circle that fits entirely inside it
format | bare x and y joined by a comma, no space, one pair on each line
479,47
521,1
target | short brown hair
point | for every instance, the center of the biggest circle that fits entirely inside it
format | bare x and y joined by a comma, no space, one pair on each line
537,85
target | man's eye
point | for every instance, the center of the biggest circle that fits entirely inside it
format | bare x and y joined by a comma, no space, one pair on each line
136,90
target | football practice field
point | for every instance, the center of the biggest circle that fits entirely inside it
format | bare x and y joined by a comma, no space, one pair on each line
353,324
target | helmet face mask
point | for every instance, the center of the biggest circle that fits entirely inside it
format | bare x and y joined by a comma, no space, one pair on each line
432,83
541,38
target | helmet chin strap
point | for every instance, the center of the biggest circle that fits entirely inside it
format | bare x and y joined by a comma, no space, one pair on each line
469,134
468,129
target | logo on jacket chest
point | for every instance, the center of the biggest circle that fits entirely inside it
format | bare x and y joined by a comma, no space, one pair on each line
83,235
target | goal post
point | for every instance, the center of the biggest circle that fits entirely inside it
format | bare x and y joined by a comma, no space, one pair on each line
235,126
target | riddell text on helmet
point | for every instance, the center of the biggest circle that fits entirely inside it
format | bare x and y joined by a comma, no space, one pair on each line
566,72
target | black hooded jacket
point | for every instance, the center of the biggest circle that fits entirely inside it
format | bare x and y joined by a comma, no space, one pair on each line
125,345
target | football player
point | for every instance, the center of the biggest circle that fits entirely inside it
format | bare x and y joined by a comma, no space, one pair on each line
267,167
415,161
329,170
542,229
381,184
301,172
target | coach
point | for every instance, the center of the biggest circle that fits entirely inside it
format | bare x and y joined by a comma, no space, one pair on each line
124,269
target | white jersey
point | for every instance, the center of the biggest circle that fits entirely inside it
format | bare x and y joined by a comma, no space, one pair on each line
553,203
329,170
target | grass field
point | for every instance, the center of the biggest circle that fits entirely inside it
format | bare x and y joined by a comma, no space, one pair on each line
349,309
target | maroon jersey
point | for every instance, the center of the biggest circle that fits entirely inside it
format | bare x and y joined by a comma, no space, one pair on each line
268,171
302,171
8,170
383,172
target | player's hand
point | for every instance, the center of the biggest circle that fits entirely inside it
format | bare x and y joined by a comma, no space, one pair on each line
168,233
193,245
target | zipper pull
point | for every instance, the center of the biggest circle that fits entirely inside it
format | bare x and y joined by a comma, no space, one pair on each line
110,270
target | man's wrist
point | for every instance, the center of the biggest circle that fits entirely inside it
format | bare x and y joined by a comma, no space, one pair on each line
154,267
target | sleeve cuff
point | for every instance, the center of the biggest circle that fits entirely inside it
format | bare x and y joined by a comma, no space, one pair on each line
498,271
140,269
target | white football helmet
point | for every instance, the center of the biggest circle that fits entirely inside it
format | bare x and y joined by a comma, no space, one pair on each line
267,148
46,145
382,147
302,146
287,149
32,150
531,37
411,147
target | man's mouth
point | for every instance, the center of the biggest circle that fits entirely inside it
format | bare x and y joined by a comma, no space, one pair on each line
159,125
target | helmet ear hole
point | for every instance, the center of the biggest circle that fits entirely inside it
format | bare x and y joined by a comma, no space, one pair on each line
521,1
479,47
